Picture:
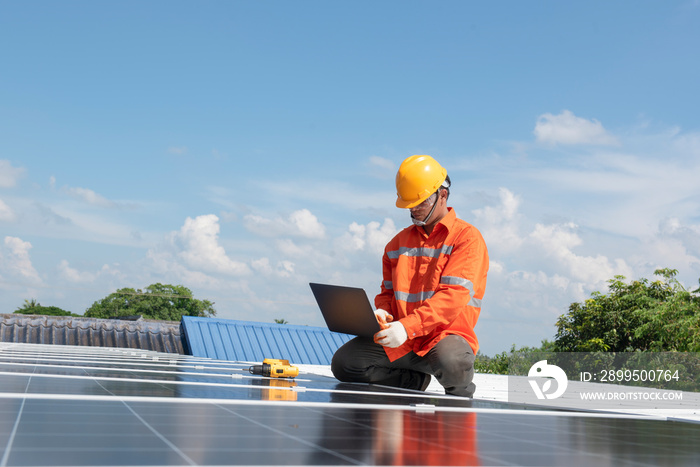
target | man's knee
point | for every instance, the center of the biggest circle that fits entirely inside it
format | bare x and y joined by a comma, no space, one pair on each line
453,365
456,365
338,369
353,360
339,364
455,353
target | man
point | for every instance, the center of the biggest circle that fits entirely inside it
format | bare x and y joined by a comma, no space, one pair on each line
434,279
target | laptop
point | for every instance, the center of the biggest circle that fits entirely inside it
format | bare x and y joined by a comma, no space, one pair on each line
346,309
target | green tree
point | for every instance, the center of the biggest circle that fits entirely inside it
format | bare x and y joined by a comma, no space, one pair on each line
157,301
27,306
32,307
639,325
514,362
639,316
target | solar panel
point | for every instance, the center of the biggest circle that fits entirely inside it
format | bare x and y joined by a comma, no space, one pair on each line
63,405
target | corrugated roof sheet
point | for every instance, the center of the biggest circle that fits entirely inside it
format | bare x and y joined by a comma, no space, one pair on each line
160,336
249,341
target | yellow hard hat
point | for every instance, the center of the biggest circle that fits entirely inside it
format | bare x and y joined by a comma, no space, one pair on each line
418,178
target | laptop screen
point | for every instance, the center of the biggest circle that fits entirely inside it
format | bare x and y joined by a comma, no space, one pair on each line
346,309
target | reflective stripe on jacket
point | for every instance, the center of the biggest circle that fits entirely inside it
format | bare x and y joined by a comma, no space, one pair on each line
434,284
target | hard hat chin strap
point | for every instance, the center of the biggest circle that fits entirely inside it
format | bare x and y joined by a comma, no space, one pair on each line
427,218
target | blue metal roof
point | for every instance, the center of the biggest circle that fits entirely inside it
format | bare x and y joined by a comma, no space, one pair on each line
248,341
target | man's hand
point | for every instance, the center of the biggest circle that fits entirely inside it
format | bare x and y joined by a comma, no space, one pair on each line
393,336
383,317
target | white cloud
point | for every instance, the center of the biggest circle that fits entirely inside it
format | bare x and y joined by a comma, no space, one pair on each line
530,294
90,197
536,269
163,264
382,168
8,174
264,226
543,248
567,225
307,224
199,248
499,224
72,274
179,150
309,258
334,192
382,162
675,245
559,240
372,237
6,213
282,269
567,128
289,248
194,256
621,192
505,211
299,223
14,259
496,267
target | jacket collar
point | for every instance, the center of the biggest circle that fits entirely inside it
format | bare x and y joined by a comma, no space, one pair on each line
447,222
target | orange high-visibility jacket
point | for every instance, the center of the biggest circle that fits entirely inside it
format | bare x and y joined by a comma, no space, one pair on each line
434,284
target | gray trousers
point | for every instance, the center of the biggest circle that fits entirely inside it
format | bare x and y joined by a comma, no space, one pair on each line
451,361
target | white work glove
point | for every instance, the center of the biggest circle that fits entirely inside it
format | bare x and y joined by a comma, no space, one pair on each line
393,336
384,317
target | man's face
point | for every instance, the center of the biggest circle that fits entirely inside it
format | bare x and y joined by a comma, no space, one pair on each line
421,211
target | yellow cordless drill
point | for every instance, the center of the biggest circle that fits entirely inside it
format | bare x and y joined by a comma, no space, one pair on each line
275,368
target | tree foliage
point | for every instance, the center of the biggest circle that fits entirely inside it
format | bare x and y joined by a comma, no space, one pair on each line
32,307
27,305
157,301
506,363
639,316
642,324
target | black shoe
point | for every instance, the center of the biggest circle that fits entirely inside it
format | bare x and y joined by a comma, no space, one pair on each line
426,382
470,390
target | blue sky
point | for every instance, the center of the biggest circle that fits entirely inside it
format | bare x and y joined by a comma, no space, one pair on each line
244,149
